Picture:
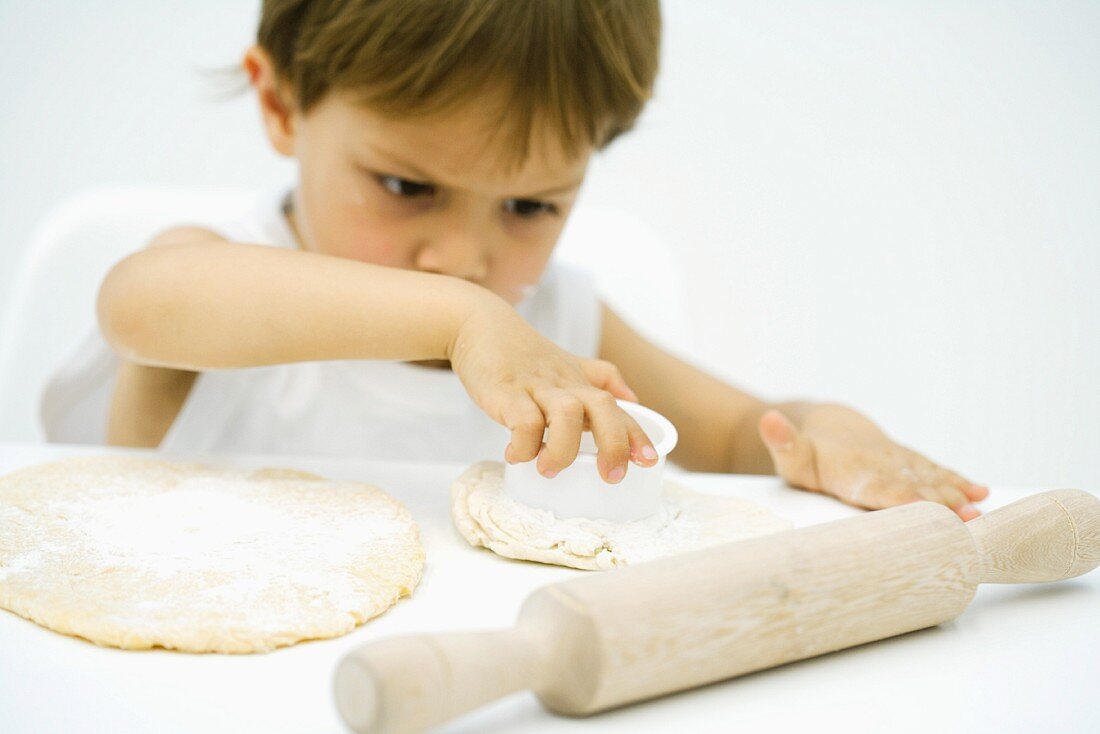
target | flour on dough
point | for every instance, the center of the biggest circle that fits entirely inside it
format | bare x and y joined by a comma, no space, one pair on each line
486,517
139,553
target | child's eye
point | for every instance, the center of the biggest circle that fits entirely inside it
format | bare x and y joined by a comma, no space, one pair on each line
404,187
529,208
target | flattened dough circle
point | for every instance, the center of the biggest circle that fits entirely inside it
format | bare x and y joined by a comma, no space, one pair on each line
138,553
487,517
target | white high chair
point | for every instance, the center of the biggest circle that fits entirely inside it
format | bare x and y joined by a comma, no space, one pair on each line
52,301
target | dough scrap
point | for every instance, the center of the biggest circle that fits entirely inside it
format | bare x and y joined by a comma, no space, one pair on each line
139,553
488,518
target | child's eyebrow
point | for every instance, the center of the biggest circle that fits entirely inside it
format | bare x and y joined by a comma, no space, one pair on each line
427,177
403,164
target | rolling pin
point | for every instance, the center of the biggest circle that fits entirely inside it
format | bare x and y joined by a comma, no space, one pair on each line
609,639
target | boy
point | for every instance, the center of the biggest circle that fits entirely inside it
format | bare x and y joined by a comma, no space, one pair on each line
440,147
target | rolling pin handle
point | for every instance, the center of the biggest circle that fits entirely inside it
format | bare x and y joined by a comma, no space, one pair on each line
1045,537
411,683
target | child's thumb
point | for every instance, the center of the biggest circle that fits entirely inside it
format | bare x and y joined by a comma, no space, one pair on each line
791,452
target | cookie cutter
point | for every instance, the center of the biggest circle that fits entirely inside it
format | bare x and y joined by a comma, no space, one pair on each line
579,491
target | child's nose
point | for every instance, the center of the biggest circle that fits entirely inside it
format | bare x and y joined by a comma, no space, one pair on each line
461,254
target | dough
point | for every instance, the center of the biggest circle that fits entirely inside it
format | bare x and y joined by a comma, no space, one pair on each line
139,553
486,517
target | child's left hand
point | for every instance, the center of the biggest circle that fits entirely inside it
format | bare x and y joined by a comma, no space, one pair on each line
840,452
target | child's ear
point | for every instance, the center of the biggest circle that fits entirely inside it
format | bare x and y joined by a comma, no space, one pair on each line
277,105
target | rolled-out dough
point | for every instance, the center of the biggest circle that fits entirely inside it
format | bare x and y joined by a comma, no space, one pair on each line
487,517
138,553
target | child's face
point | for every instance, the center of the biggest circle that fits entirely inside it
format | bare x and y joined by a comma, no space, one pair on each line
425,194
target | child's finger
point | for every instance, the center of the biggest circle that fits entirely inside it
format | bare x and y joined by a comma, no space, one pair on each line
931,494
958,501
903,492
608,424
791,452
974,492
953,497
565,422
881,492
527,424
606,376
642,452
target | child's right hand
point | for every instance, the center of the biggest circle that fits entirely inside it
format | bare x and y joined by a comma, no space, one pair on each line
528,384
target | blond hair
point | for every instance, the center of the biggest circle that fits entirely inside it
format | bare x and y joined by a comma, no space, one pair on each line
582,68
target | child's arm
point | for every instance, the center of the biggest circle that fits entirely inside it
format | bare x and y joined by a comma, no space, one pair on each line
821,447
145,402
195,302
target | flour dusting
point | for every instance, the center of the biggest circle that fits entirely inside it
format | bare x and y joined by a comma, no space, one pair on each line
139,553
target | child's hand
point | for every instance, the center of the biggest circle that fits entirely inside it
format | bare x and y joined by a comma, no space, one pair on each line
839,452
528,384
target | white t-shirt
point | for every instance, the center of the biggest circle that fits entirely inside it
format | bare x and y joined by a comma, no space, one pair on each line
354,408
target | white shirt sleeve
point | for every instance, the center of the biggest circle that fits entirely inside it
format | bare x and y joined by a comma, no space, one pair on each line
75,403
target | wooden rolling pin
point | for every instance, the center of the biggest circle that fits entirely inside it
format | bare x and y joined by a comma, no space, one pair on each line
612,638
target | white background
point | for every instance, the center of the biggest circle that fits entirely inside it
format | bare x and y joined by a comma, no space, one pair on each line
896,205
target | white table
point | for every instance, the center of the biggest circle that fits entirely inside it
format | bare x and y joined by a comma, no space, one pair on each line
1021,658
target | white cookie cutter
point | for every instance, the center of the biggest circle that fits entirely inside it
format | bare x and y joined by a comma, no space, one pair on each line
580,491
